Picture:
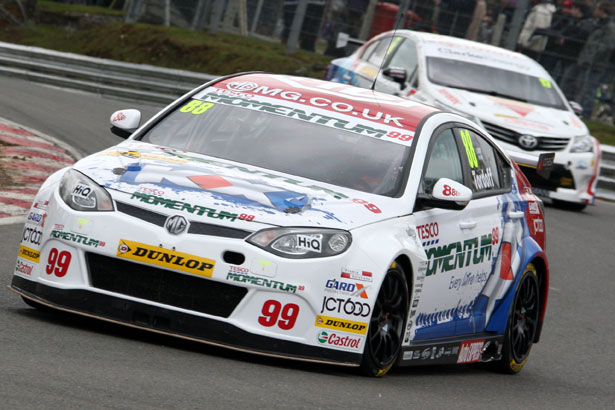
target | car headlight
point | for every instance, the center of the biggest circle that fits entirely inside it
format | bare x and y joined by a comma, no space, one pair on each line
583,143
299,243
82,194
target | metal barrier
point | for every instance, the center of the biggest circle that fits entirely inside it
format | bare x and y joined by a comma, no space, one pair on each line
150,84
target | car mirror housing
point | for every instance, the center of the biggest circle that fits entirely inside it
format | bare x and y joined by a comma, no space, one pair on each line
397,74
125,122
446,194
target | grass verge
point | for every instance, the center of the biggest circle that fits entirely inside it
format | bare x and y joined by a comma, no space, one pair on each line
603,132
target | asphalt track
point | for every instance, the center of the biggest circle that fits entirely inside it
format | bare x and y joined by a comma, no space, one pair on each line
60,361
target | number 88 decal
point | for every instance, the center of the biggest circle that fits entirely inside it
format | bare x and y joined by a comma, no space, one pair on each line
272,310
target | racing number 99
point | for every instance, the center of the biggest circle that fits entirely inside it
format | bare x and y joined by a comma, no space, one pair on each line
272,310
58,262
196,107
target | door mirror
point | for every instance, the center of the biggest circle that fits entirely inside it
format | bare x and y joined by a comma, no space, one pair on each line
446,194
125,122
577,108
397,74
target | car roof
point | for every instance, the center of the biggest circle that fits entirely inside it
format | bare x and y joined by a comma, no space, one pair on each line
436,45
341,101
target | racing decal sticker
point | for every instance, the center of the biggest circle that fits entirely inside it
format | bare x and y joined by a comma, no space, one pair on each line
309,242
237,274
58,262
428,233
353,274
37,218
545,83
341,324
431,352
460,254
341,287
196,107
516,106
166,258
273,310
29,254
76,238
32,236
23,267
345,305
338,340
471,351
263,267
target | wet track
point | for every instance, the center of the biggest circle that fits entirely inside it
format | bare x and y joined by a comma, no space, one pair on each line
53,360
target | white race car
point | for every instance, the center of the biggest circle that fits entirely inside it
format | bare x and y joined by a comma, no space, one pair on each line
298,218
509,94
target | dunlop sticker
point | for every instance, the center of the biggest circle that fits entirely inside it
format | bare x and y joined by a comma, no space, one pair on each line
29,254
166,258
341,324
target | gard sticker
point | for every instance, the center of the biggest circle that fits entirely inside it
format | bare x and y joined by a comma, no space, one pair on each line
166,258
341,324
545,83
467,143
29,254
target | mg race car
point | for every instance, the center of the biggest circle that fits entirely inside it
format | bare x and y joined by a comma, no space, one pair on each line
510,95
298,218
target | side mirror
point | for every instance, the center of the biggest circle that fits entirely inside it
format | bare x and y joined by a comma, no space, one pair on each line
577,108
447,194
125,122
397,74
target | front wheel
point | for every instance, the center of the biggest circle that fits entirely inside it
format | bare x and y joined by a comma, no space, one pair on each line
522,324
386,325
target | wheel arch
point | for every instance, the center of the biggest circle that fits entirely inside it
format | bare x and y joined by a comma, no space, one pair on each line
406,265
542,271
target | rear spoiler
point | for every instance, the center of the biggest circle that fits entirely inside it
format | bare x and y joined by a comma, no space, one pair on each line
543,163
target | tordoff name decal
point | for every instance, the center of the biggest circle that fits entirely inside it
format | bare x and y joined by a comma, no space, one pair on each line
458,254
341,324
166,258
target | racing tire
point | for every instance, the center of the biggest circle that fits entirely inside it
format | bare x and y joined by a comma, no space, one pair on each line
569,206
522,324
386,327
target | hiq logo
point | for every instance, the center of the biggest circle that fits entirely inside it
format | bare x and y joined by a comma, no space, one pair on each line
311,243
82,190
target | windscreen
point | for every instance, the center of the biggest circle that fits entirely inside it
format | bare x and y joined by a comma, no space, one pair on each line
493,81
290,145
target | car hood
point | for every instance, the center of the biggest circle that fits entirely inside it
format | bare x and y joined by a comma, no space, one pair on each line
521,117
172,181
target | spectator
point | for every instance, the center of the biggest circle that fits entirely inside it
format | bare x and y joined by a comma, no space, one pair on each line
311,23
595,57
480,11
454,16
539,18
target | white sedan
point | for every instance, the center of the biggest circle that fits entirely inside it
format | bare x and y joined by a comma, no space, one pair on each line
298,218
510,95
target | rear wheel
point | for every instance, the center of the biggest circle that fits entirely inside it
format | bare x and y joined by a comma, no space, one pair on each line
386,325
522,324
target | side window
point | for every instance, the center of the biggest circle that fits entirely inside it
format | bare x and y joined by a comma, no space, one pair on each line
379,52
405,57
369,49
443,161
487,168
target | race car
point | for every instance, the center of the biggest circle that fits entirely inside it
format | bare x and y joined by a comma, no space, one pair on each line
298,218
511,96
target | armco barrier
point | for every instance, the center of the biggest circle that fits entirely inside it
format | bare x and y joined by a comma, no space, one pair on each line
145,83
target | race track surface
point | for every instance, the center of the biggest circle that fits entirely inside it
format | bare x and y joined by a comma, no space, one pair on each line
61,361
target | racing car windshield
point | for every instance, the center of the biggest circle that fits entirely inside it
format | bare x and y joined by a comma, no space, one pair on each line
288,145
493,81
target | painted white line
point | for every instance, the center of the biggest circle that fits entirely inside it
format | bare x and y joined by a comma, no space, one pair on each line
17,195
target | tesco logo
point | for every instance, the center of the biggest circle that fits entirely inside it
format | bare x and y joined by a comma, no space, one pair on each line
427,231
333,339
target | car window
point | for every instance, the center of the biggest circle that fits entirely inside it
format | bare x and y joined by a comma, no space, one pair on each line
379,52
405,56
369,49
485,167
443,161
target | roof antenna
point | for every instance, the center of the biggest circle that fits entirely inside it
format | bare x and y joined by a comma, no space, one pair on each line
388,49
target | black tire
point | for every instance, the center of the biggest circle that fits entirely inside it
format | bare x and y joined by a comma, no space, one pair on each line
36,305
387,323
569,206
522,324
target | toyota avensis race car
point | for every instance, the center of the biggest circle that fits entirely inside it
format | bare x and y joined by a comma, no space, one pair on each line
509,94
298,218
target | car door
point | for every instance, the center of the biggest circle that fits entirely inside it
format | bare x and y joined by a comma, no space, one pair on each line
441,233
482,226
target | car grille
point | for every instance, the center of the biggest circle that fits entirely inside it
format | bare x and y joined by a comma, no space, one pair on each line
511,137
198,228
560,178
163,286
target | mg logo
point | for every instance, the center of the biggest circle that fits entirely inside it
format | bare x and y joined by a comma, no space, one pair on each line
528,141
241,86
176,224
